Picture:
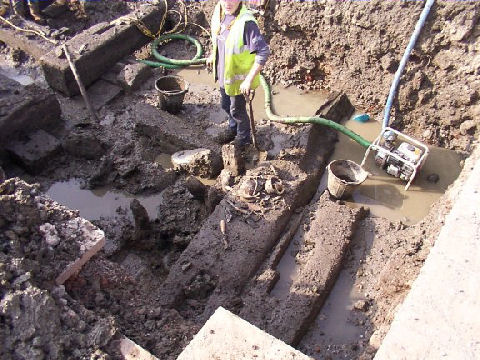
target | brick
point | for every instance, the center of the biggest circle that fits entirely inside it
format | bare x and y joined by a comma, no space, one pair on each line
90,240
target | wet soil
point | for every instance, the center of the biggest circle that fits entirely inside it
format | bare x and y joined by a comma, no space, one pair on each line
151,281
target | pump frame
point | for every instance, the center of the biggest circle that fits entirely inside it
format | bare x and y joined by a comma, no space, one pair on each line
375,146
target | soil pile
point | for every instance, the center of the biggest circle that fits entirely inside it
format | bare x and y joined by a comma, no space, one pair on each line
38,319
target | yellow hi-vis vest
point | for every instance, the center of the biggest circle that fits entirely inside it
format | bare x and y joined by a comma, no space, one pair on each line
238,59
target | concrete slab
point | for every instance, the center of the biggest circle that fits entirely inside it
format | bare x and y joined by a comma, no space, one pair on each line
97,49
24,109
226,336
440,316
36,151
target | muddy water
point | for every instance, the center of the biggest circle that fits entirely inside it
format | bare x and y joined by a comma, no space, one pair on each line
94,204
164,160
385,195
382,193
14,74
285,101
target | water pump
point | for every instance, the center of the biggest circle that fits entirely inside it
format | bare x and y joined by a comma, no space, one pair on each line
398,154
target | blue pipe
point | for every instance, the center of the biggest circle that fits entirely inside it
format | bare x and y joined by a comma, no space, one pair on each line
403,62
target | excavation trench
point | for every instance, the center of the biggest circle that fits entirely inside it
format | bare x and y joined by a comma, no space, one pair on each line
310,270
190,268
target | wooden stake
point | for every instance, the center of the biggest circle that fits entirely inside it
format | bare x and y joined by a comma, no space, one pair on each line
80,84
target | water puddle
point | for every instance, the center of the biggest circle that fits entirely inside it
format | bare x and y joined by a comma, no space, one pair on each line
288,270
15,74
97,203
385,195
285,101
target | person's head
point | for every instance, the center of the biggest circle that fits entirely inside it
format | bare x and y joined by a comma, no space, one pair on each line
230,6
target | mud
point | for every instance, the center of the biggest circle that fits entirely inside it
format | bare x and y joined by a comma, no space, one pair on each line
321,274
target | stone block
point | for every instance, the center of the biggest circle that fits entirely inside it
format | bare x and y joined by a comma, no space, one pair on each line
337,107
98,48
169,132
35,152
230,257
233,160
133,76
292,318
100,93
24,109
202,162
227,336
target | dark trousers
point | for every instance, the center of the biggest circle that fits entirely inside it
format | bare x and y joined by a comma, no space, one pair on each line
238,121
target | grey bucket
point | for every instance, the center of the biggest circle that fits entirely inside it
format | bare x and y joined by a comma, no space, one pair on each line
171,92
343,177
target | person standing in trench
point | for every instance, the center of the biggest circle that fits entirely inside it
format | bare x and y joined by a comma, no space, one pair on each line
239,54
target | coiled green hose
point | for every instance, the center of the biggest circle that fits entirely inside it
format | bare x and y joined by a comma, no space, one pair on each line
168,63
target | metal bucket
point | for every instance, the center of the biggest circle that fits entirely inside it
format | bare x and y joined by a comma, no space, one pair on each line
171,92
343,177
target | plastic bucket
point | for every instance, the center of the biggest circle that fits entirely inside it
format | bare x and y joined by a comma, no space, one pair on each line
343,177
171,92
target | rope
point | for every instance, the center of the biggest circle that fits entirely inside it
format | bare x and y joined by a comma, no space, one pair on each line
28,31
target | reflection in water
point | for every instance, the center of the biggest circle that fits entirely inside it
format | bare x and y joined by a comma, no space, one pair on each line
97,203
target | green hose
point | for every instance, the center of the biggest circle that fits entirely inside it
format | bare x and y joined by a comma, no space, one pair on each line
172,63
310,120
176,64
